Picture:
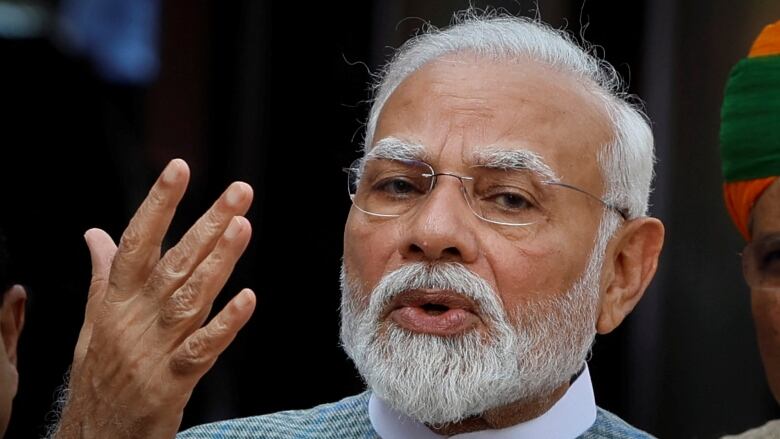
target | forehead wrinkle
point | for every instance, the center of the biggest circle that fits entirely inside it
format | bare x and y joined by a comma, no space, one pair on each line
514,159
393,148
469,106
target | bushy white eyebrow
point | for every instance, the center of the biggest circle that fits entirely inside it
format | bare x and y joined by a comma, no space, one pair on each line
515,159
393,148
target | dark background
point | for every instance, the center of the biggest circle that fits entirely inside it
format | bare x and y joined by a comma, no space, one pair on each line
273,93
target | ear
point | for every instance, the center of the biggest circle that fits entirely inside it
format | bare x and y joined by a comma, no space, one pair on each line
12,319
629,264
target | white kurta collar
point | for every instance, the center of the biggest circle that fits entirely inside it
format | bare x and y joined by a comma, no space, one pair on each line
568,418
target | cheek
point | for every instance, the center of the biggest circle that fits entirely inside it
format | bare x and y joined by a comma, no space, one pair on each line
368,249
766,312
532,273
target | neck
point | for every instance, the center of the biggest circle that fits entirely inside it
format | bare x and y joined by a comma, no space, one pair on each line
505,416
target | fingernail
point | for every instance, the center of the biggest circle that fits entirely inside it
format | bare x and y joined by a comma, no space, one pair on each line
233,195
233,228
171,173
243,298
86,235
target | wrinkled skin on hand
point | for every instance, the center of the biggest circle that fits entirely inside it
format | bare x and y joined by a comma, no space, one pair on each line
143,346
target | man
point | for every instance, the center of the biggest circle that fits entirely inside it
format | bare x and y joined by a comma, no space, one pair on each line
750,149
12,300
498,223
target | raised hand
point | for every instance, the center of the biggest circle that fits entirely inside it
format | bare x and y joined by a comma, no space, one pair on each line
143,346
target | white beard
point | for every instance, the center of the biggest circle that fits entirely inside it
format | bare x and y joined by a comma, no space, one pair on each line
438,380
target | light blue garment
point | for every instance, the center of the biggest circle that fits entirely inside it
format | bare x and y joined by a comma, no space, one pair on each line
348,418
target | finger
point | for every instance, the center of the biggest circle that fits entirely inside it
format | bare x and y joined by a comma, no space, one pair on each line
195,356
189,306
179,262
139,247
101,251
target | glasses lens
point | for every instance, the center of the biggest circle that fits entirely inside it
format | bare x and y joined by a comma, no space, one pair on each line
761,262
505,196
389,187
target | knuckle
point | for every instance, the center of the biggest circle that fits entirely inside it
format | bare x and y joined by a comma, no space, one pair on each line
197,347
131,241
220,327
213,223
173,267
192,356
151,287
181,306
156,200
215,259
175,264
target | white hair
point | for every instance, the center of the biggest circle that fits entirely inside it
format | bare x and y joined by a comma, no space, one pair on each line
626,163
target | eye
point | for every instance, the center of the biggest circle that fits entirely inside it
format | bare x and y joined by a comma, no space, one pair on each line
766,258
770,260
761,262
397,186
506,198
511,201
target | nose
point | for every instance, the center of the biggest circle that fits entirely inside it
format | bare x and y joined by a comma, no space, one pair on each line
442,228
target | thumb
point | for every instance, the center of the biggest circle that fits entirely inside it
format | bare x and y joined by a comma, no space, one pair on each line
101,251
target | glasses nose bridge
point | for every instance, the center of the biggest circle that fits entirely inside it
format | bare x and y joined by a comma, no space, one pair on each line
461,178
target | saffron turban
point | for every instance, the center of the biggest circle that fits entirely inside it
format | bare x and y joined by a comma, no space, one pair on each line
750,127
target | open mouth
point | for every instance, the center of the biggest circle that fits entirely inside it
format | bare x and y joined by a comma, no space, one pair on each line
435,309
436,312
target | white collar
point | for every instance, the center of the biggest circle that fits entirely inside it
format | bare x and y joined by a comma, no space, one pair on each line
568,418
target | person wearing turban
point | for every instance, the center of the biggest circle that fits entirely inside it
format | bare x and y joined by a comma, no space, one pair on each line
750,152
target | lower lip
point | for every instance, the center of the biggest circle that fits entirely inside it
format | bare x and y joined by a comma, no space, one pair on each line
454,321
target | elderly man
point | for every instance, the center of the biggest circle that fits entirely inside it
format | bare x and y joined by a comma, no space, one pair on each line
750,148
12,300
498,224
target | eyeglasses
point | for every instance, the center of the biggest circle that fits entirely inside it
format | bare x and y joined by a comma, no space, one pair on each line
761,262
389,188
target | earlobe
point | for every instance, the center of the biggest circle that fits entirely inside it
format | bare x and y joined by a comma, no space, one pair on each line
12,319
632,261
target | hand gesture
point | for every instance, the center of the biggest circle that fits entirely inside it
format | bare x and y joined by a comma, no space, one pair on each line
143,346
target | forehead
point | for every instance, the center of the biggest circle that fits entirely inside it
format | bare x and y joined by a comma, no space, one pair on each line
766,213
461,103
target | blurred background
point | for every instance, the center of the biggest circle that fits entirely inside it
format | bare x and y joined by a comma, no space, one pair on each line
96,96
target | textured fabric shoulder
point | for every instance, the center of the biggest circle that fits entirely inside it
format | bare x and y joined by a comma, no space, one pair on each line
347,418
610,426
770,430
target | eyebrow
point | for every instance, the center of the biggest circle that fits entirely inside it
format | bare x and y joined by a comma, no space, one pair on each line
393,148
515,159
769,238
